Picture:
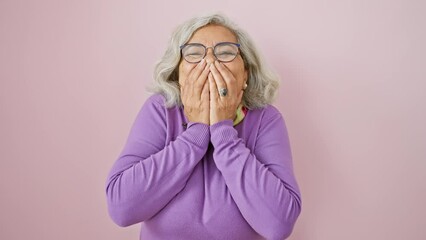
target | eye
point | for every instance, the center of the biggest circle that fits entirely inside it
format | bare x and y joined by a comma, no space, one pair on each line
225,53
226,50
193,54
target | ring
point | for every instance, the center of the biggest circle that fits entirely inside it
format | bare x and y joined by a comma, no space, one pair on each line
223,92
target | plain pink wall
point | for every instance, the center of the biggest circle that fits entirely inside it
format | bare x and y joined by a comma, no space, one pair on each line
73,75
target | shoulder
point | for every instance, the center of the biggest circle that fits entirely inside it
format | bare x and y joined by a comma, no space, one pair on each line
263,124
266,113
156,99
160,101
265,118
153,107
156,102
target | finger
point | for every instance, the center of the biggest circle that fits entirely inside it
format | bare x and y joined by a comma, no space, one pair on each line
187,86
218,77
196,71
227,77
197,78
202,79
205,94
191,72
214,94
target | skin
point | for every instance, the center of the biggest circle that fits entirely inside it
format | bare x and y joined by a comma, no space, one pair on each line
200,82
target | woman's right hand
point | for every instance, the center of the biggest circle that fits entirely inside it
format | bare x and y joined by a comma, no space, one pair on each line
194,91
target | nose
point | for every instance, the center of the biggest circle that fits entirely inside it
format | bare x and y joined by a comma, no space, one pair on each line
209,55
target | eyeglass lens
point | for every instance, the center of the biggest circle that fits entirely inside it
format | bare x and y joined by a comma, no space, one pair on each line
224,52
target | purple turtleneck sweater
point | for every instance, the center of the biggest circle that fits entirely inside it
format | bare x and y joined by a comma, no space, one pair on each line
197,181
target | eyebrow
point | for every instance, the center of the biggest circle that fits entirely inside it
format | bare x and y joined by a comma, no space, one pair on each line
197,43
216,43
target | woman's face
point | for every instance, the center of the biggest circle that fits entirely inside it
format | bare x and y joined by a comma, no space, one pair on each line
209,36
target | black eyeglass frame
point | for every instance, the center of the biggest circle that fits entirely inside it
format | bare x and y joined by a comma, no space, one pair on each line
206,48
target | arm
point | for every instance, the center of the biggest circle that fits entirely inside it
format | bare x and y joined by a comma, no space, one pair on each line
148,174
261,183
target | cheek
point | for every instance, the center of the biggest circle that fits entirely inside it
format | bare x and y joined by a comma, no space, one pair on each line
238,71
184,70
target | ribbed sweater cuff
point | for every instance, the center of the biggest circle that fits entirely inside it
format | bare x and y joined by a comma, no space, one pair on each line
222,132
199,133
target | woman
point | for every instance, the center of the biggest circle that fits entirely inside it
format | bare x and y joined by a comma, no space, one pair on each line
207,156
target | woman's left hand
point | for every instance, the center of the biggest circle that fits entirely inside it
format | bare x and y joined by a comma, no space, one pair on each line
223,107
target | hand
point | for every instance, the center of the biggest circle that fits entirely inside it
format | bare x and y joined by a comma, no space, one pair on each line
223,107
195,94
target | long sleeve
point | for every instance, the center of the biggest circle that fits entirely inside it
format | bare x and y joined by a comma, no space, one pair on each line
149,173
261,182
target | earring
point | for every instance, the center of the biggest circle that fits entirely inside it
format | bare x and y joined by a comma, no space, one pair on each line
245,86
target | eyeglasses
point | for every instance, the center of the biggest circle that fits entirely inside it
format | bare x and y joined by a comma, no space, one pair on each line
224,51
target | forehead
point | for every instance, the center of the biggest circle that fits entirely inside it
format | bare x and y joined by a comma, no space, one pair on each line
212,34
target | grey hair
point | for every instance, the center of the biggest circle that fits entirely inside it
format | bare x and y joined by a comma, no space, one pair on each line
262,84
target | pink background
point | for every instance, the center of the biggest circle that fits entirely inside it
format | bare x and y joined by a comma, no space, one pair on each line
73,76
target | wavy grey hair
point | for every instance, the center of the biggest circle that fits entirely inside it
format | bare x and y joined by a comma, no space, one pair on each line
262,83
